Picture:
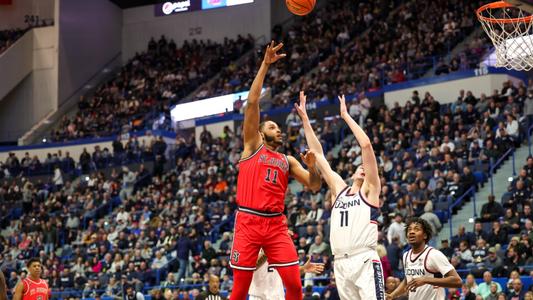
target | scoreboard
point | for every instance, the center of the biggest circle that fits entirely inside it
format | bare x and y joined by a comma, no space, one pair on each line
174,7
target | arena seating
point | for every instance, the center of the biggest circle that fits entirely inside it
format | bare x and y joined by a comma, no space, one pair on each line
120,105
111,245
360,61
148,85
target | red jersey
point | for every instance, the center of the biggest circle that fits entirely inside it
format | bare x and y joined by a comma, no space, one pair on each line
35,290
263,180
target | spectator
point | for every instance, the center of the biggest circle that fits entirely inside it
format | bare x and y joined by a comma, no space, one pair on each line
493,261
493,292
479,232
484,289
159,261
491,210
517,292
431,218
397,229
394,254
461,236
498,234
446,249
471,284
319,246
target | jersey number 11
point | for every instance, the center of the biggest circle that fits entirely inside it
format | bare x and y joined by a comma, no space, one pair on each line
344,218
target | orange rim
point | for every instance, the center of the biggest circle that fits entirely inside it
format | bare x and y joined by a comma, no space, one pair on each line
500,4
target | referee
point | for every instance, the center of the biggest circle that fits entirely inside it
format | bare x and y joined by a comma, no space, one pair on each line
213,293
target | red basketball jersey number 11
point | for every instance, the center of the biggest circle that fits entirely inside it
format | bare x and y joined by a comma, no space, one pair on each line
300,7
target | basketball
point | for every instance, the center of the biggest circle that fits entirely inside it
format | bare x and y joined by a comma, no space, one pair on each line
300,7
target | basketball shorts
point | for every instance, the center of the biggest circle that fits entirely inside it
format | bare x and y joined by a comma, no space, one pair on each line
255,230
360,276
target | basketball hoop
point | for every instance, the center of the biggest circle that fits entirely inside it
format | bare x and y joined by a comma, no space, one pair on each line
511,31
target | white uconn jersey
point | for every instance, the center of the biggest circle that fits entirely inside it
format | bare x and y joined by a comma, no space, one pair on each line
266,284
430,263
353,224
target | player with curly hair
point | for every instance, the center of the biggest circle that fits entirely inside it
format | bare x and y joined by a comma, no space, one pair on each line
427,270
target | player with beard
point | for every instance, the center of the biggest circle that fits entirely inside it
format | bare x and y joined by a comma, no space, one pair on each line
261,186
427,270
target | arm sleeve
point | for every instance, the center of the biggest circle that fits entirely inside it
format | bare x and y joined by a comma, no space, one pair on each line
437,262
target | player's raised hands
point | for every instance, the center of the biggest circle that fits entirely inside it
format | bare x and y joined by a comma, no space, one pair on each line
309,158
300,107
316,268
271,53
343,109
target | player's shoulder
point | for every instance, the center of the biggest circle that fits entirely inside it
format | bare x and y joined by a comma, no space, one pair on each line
434,253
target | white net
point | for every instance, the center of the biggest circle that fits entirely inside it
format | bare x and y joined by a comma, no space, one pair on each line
511,32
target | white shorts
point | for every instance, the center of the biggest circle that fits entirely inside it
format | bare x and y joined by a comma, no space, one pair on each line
251,297
360,276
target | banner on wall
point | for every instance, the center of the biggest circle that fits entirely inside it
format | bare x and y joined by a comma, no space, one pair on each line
182,6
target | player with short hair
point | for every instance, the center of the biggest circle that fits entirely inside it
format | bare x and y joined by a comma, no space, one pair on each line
354,213
32,287
261,186
427,270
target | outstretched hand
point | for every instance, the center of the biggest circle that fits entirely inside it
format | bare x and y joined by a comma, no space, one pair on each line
315,268
309,158
343,109
271,55
300,107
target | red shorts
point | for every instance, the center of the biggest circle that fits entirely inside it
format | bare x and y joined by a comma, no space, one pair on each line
253,232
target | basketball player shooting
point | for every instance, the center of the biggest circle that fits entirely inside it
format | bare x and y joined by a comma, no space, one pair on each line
427,270
354,231
267,284
261,185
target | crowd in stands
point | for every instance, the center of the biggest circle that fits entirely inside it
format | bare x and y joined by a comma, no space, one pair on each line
500,244
8,37
148,85
391,54
306,43
386,54
351,43
132,150
174,226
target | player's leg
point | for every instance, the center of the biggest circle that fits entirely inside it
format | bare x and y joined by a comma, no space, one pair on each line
244,253
290,275
241,284
371,284
344,273
281,254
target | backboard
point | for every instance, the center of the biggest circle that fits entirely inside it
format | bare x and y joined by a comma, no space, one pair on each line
526,5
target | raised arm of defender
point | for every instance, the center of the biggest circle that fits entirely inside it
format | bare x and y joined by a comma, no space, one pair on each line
252,138
334,181
371,185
